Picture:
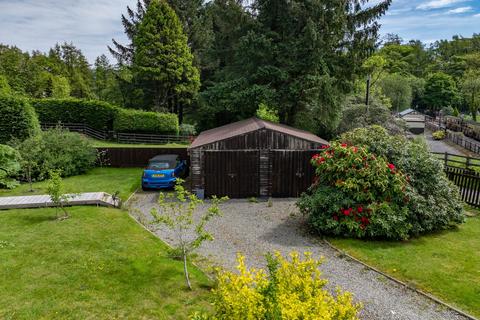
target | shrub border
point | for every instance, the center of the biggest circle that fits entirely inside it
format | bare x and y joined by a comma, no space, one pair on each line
427,295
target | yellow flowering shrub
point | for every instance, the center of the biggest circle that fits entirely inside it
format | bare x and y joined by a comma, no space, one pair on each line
291,289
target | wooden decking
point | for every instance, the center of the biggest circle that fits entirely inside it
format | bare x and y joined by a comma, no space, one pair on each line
40,201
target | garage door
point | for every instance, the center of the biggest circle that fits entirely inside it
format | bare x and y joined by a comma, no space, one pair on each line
232,173
292,172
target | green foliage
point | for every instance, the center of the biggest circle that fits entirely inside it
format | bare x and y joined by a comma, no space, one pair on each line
162,60
129,120
356,114
455,112
397,88
266,113
56,150
18,119
470,87
438,135
440,91
434,203
97,114
357,194
9,166
447,111
177,212
187,130
55,190
284,58
4,86
290,288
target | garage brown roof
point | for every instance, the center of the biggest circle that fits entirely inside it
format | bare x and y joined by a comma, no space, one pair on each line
249,125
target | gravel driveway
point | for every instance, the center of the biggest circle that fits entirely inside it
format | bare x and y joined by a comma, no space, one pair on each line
254,229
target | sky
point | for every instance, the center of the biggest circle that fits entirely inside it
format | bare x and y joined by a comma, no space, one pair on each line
91,24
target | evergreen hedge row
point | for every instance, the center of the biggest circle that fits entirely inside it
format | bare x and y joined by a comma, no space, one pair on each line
129,120
96,114
104,116
17,119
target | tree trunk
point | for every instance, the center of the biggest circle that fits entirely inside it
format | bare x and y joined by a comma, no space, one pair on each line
180,112
185,270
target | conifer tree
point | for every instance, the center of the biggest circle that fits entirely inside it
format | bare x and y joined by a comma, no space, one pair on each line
162,60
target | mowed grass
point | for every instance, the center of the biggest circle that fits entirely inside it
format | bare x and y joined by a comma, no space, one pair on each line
446,264
98,264
458,161
107,180
110,144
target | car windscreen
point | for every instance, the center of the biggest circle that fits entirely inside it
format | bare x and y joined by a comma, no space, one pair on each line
160,165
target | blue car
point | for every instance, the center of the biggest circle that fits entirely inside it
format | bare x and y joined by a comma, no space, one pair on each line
163,171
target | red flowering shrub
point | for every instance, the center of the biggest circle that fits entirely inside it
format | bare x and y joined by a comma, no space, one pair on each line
356,194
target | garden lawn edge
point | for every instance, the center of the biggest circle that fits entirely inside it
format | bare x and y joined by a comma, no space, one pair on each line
429,296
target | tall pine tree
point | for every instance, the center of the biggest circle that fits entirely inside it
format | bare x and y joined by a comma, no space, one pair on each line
162,61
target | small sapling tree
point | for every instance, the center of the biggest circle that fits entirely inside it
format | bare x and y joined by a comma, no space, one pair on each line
55,191
177,212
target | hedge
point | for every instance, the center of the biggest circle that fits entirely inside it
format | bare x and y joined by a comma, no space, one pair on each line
17,119
96,114
129,120
104,116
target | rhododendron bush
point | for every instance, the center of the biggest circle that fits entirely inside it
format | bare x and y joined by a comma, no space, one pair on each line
357,194
375,185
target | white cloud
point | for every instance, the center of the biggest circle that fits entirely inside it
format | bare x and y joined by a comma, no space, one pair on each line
477,15
437,4
38,25
460,10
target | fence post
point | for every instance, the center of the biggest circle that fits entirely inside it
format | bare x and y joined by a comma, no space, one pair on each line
446,159
468,162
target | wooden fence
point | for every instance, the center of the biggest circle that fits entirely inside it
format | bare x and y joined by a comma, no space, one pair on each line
134,157
120,137
468,182
458,161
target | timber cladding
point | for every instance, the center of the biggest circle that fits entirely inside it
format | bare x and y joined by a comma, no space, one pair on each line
253,158
135,157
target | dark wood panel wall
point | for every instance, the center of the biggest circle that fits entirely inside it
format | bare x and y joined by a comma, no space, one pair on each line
135,157
267,143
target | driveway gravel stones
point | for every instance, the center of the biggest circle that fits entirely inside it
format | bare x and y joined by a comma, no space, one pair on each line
254,229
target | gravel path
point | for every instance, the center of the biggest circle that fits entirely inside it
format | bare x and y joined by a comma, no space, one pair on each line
443,146
254,229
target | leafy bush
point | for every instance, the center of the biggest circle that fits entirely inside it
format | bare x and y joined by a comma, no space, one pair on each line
264,112
187,130
291,289
57,150
129,120
357,115
97,114
435,202
438,135
17,119
9,166
357,194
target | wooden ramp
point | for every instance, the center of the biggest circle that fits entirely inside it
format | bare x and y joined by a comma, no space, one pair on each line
41,201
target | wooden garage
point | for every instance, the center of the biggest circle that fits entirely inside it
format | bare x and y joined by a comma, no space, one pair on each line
253,158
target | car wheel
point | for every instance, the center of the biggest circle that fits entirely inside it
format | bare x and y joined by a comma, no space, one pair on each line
144,188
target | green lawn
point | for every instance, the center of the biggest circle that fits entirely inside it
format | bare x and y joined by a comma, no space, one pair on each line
99,264
99,179
110,144
446,264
